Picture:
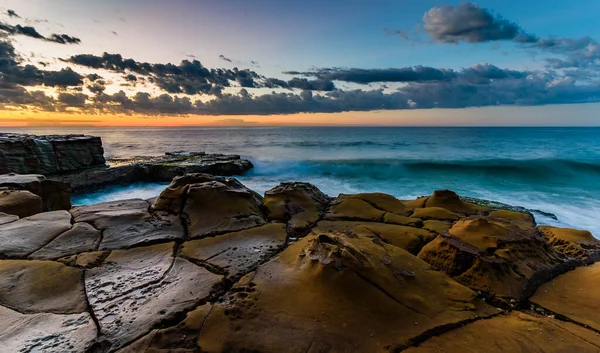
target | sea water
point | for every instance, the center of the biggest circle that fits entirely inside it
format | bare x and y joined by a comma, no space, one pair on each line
552,169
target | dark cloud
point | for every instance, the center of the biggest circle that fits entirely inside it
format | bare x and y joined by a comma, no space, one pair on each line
470,23
478,73
131,78
224,58
75,100
313,85
33,33
63,39
97,87
12,13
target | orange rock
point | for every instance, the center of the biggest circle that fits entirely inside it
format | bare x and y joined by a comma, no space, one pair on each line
336,292
578,244
574,295
515,332
436,213
449,200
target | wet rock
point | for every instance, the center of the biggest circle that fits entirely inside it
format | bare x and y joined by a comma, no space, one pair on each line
435,213
133,290
41,286
25,236
7,218
236,254
45,332
333,292
20,202
127,223
81,238
574,295
55,194
516,332
578,244
50,154
496,257
214,208
301,205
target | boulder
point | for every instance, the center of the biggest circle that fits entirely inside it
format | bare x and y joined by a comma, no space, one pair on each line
496,257
133,290
55,194
20,203
215,208
41,286
129,223
515,332
23,237
578,244
574,295
235,254
21,153
300,205
334,292
437,226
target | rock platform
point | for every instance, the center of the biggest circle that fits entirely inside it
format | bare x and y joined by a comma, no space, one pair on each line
211,266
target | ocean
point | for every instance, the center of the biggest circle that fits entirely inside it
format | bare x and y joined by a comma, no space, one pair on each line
553,169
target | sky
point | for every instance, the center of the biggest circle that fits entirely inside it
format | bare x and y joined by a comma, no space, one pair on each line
381,62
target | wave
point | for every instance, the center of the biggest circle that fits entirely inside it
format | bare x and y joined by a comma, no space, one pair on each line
559,170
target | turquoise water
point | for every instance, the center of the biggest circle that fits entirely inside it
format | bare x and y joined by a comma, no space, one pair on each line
556,170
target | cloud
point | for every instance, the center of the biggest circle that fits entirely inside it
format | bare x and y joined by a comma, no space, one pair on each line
63,39
470,23
224,58
33,33
12,13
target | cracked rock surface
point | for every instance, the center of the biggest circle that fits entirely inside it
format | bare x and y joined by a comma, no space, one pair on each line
211,266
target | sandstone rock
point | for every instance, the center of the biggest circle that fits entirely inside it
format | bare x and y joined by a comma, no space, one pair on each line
180,338
215,208
127,223
237,253
172,199
45,333
495,257
91,259
20,202
513,215
408,238
578,244
133,290
55,194
337,293
516,332
449,200
435,213
41,286
23,237
393,218
417,203
7,218
20,153
437,226
81,238
365,207
301,205
574,295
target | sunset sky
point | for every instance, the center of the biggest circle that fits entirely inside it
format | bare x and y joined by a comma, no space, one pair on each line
381,62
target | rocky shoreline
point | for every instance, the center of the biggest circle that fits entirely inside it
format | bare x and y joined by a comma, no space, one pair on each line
212,266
